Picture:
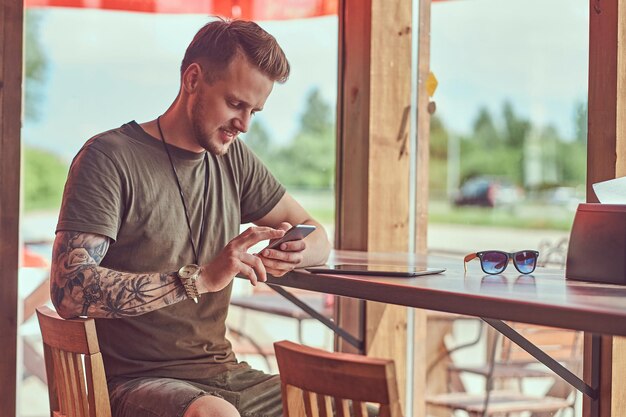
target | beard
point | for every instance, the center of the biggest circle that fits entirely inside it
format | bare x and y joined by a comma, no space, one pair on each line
206,139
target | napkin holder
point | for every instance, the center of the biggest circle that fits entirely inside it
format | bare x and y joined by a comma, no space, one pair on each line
597,244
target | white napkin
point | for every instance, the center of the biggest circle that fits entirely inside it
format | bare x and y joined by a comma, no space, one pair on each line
611,191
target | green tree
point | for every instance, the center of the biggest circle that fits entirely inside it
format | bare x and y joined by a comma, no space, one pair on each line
44,172
438,139
309,162
580,123
44,177
35,64
317,119
497,162
573,155
309,159
488,151
485,132
258,139
515,128
438,163
550,157
573,163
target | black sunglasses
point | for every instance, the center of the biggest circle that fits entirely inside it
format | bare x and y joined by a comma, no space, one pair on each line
495,261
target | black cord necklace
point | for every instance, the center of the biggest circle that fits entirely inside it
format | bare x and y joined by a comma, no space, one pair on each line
196,251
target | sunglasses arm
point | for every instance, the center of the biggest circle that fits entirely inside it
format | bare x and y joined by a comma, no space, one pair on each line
468,258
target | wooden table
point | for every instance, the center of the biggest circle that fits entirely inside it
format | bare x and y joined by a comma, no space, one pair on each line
544,297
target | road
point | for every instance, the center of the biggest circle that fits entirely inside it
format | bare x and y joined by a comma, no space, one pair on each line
464,239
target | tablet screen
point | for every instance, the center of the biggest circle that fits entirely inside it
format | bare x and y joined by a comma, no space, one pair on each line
378,270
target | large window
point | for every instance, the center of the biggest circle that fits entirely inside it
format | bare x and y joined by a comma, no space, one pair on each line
508,138
295,136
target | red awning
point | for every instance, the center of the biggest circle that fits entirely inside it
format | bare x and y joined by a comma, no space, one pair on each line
240,9
243,9
31,259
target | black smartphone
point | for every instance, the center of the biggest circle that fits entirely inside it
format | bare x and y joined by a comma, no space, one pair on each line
299,231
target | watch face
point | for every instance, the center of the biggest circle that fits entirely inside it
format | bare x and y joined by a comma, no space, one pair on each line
188,271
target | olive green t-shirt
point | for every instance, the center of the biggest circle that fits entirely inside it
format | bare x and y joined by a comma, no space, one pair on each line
121,185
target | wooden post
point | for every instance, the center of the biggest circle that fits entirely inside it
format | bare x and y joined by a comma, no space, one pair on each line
11,16
428,335
374,95
606,159
423,129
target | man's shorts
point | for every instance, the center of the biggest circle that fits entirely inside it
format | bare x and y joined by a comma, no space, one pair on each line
252,392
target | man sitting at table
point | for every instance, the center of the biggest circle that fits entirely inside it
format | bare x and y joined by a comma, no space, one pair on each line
148,236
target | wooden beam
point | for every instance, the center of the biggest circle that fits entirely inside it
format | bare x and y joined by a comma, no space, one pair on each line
602,146
423,129
11,17
372,152
424,333
606,159
374,95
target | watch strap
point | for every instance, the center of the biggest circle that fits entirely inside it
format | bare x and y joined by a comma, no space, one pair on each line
189,284
191,289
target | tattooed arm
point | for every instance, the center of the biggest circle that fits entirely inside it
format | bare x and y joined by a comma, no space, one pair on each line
80,287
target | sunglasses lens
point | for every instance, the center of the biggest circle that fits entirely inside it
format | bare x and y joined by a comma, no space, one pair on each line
525,261
494,262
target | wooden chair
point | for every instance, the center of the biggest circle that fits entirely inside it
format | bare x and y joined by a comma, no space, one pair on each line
33,290
67,344
315,382
511,364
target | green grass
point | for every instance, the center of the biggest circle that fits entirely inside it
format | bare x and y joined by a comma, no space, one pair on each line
522,216
319,203
527,215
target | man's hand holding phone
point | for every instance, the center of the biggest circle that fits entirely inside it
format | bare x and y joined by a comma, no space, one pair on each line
234,259
284,254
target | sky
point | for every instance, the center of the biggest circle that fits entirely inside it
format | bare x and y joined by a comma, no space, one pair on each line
533,53
107,68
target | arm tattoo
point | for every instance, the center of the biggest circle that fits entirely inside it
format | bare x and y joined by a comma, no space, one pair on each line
79,286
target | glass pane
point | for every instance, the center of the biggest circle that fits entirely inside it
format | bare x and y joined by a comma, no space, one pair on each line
295,134
508,138
507,157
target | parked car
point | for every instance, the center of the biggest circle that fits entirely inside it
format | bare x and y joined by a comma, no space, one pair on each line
488,192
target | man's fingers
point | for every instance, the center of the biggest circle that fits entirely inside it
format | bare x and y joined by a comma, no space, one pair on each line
293,246
254,235
284,226
256,264
279,265
276,272
289,257
248,272
274,261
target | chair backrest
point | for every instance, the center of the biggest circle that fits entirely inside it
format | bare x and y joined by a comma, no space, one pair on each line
315,382
75,390
562,345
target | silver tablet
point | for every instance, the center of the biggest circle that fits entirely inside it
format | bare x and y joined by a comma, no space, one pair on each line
377,270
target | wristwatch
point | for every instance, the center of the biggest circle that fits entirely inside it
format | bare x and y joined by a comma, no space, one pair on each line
188,275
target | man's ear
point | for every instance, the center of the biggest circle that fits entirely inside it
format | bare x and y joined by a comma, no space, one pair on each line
192,77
